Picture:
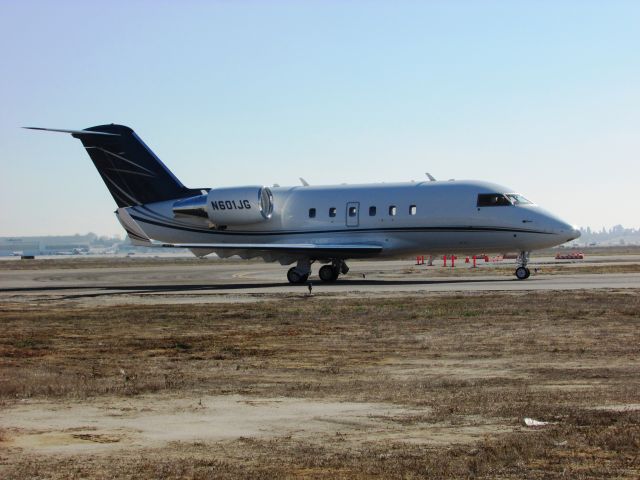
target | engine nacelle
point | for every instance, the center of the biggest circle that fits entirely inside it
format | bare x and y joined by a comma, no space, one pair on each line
229,206
239,205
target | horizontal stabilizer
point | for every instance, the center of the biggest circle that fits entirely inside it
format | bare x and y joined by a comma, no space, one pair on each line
73,132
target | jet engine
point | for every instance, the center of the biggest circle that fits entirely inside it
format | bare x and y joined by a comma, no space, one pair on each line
229,206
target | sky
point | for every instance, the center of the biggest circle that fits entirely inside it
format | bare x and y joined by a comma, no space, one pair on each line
540,96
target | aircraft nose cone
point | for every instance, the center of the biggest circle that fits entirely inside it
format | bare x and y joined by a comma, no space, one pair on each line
568,231
562,229
575,233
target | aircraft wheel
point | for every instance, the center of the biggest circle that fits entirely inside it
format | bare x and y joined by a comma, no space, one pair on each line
522,273
328,273
294,277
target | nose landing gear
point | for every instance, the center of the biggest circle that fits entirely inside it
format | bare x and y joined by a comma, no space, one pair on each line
522,272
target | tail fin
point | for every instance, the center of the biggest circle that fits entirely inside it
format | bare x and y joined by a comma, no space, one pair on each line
131,171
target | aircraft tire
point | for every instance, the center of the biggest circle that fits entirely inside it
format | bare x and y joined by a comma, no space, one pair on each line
328,273
294,277
522,273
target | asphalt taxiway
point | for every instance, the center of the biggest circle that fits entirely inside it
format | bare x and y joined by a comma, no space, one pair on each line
250,281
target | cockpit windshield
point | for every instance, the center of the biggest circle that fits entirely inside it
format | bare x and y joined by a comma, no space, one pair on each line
493,200
518,199
501,200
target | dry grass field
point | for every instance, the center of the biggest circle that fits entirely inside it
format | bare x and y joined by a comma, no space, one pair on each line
313,387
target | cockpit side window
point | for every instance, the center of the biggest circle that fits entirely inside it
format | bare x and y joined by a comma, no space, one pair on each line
518,199
493,200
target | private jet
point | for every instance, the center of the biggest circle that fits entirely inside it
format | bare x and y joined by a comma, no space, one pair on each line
309,224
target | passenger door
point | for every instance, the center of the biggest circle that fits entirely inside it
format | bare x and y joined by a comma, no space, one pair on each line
353,214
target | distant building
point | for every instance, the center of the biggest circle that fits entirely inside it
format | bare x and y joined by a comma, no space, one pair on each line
46,245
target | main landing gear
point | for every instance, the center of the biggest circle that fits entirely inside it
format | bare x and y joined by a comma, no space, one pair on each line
300,273
522,272
295,277
330,273
327,273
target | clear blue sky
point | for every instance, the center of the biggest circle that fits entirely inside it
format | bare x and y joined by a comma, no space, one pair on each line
541,96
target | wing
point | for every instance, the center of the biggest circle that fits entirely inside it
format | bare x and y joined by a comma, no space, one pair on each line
308,249
283,252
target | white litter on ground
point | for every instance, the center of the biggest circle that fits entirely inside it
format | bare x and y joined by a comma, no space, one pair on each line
530,422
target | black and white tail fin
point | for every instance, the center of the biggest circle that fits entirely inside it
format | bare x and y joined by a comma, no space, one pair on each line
131,171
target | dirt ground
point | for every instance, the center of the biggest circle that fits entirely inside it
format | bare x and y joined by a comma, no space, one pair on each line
434,386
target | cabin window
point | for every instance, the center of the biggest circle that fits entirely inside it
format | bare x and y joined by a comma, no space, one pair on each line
493,200
412,210
312,213
392,210
372,211
353,211
332,212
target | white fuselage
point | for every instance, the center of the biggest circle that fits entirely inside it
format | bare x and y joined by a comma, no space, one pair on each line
403,218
